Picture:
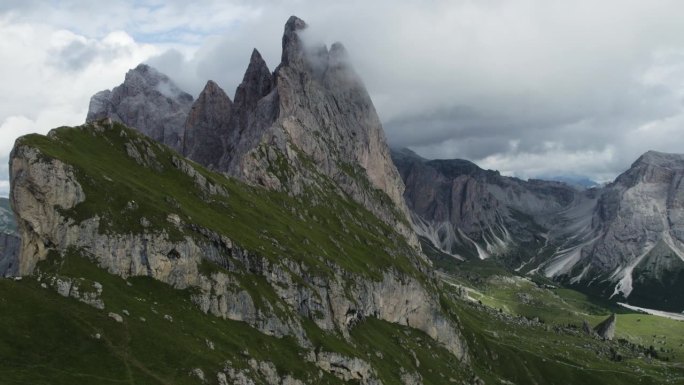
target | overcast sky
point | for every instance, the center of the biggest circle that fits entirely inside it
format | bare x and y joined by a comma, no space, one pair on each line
531,88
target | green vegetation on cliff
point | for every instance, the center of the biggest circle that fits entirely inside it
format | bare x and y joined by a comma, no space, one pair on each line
317,227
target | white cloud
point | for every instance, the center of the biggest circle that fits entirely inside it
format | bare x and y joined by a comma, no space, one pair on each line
48,76
579,87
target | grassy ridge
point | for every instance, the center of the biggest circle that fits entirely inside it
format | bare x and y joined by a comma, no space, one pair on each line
266,222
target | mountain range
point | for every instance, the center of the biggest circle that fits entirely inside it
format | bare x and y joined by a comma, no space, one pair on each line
276,239
622,241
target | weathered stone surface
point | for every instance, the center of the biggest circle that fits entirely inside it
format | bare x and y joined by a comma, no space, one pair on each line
39,188
256,84
116,317
606,329
317,112
258,372
346,368
147,100
470,212
207,126
628,234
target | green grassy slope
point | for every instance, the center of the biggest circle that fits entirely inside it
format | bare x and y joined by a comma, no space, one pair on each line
49,339
502,306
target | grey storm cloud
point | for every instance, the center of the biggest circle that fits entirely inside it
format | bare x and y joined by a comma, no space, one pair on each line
506,84
529,87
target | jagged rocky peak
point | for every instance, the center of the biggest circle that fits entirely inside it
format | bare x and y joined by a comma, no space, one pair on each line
312,116
207,125
147,100
317,113
653,167
257,82
293,47
661,159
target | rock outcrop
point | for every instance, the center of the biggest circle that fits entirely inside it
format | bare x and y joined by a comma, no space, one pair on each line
606,329
207,126
147,100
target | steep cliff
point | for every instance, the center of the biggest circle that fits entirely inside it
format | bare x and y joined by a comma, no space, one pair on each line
321,116
474,213
636,250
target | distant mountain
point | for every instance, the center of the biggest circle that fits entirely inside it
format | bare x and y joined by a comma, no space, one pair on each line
636,247
624,240
9,240
581,182
474,213
7,223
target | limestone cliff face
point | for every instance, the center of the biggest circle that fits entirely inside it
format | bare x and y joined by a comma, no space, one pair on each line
638,234
45,188
629,235
470,212
207,125
317,118
147,100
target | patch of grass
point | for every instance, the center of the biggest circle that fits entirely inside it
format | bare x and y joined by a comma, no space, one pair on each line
566,308
526,355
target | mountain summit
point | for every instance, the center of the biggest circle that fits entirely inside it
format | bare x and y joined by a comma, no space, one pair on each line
312,116
147,100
